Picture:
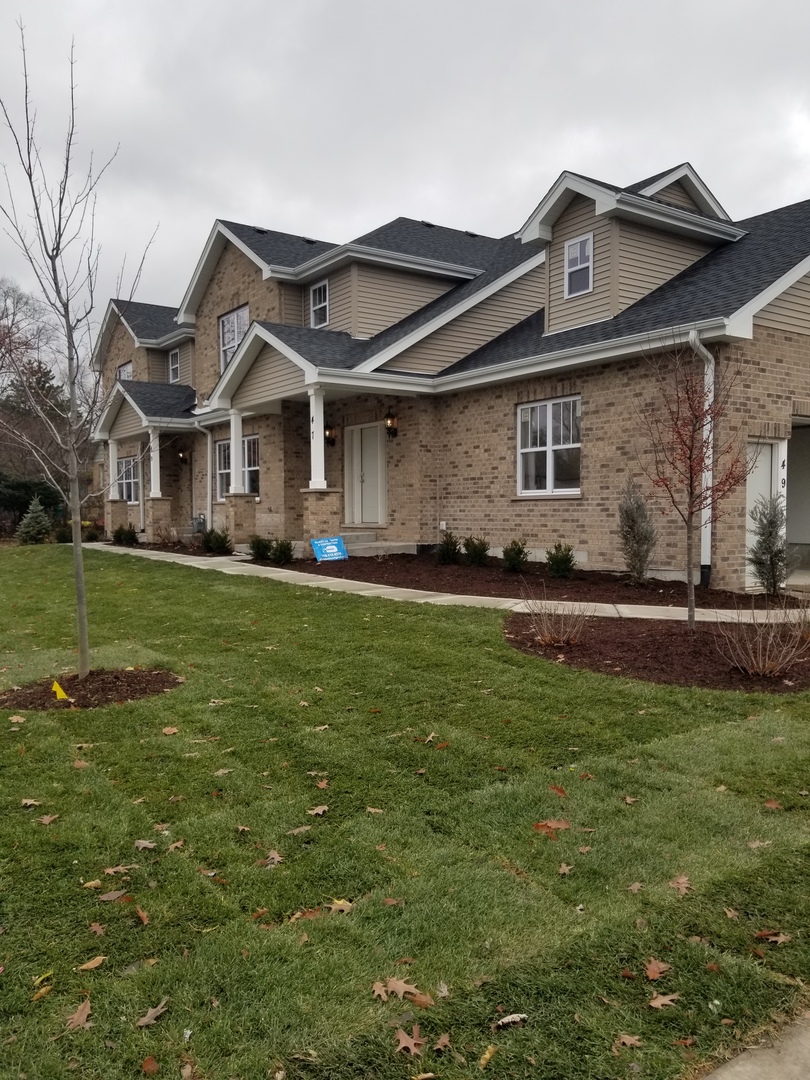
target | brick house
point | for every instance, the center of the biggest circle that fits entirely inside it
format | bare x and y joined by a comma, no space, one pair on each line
420,377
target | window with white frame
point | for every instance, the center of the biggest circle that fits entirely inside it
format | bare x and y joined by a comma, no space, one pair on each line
549,446
232,328
319,304
250,466
129,479
174,365
124,371
579,265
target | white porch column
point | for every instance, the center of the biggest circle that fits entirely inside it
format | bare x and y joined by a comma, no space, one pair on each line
112,486
237,484
154,463
317,456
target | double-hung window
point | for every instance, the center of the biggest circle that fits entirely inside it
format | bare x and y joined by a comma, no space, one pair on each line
250,466
232,328
548,447
579,265
319,304
174,365
124,371
129,479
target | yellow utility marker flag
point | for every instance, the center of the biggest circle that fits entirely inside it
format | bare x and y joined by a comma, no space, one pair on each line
60,693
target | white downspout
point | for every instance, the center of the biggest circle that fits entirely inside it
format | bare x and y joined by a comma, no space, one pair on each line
209,496
708,468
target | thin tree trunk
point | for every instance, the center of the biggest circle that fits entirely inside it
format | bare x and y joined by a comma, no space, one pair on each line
690,578
78,569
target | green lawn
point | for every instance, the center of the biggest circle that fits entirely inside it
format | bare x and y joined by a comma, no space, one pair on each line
288,686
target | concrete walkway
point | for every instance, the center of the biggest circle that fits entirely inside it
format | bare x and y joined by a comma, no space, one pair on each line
241,566
787,1058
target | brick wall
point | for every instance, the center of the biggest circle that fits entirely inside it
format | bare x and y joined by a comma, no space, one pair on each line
122,350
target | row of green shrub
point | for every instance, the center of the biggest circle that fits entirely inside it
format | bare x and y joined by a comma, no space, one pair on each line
37,527
271,549
474,550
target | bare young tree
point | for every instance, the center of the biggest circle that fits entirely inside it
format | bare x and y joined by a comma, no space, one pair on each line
692,457
51,219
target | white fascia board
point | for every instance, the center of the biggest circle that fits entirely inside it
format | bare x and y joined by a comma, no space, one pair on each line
693,184
361,382
445,317
249,348
583,355
539,223
174,337
102,430
217,239
742,320
329,260
674,218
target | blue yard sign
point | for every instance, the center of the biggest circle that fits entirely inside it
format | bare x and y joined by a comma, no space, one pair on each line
329,549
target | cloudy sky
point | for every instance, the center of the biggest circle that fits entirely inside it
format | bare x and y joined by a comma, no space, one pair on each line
329,117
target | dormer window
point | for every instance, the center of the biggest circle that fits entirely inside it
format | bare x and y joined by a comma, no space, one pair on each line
232,328
124,373
579,265
319,304
174,365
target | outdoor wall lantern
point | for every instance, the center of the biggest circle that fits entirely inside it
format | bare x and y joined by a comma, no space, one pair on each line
390,422
329,435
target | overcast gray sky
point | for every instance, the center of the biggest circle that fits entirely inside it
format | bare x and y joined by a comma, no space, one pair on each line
329,117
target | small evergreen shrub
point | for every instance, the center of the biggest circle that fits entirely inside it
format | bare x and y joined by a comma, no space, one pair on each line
261,548
62,533
35,527
637,534
217,542
769,557
476,549
126,536
92,534
282,552
560,561
449,549
515,556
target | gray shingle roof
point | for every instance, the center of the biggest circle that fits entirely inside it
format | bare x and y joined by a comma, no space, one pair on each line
162,400
715,286
406,236
633,189
147,321
278,248
324,348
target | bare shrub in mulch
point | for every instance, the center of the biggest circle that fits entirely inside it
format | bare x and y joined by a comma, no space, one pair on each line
99,687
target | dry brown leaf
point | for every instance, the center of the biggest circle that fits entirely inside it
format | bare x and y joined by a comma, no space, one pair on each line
121,869
176,845
273,858
142,916
422,1001
379,991
322,784
373,810
152,1015
400,987
654,969
317,811
47,819
443,1041
754,844
635,887
78,1020
412,1043
626,1040
629,799
681,884
170,730
779,939
299,830
150,1067
91,965
116,894
487,1056
731,913
660,1001
340,907
565,869
161,827
145,845
772,804
390,901
322,727
584,850
29,803
223,772
94,884
558,790
97,929
41,993
551,827
80,764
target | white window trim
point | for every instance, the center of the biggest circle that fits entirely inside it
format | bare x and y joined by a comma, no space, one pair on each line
320,307
120,368
219,473
566,270
129,480
551,492
221,322
174,355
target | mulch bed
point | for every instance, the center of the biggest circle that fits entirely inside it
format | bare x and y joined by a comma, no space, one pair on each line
656,651
100,687
588,586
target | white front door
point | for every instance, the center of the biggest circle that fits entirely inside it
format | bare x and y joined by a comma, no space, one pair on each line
365,475
759,484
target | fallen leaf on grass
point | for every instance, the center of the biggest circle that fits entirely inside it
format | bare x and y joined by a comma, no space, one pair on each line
317,811
558,790
713,967
654,969
628,974
681,884
442,745
299,830
91,965
378,990
97,929
513,1020
400,987
405,960
150,1067
586,776
176,845
389,901
565,869
629,799
443,1041
373,810
142,916
139,965
79,1020
551,827
412,1043
322,727
80,764
340,907
273,858
626,1040
94,884
487,1056
442,990
584,850
47,819
170,730
684,1042
223,772
421,1001
145,845
121,868
660,1001
322,784
772,804
116,894
635,887
152,1015
731,913
727,1022
29,803
754,844
41,993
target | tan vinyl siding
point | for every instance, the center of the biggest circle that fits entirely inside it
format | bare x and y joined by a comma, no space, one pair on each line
475,327
383,297
187,363
579,218
126,423
648,258
790,311
271,376
157,365
340,300
292,304
677,195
